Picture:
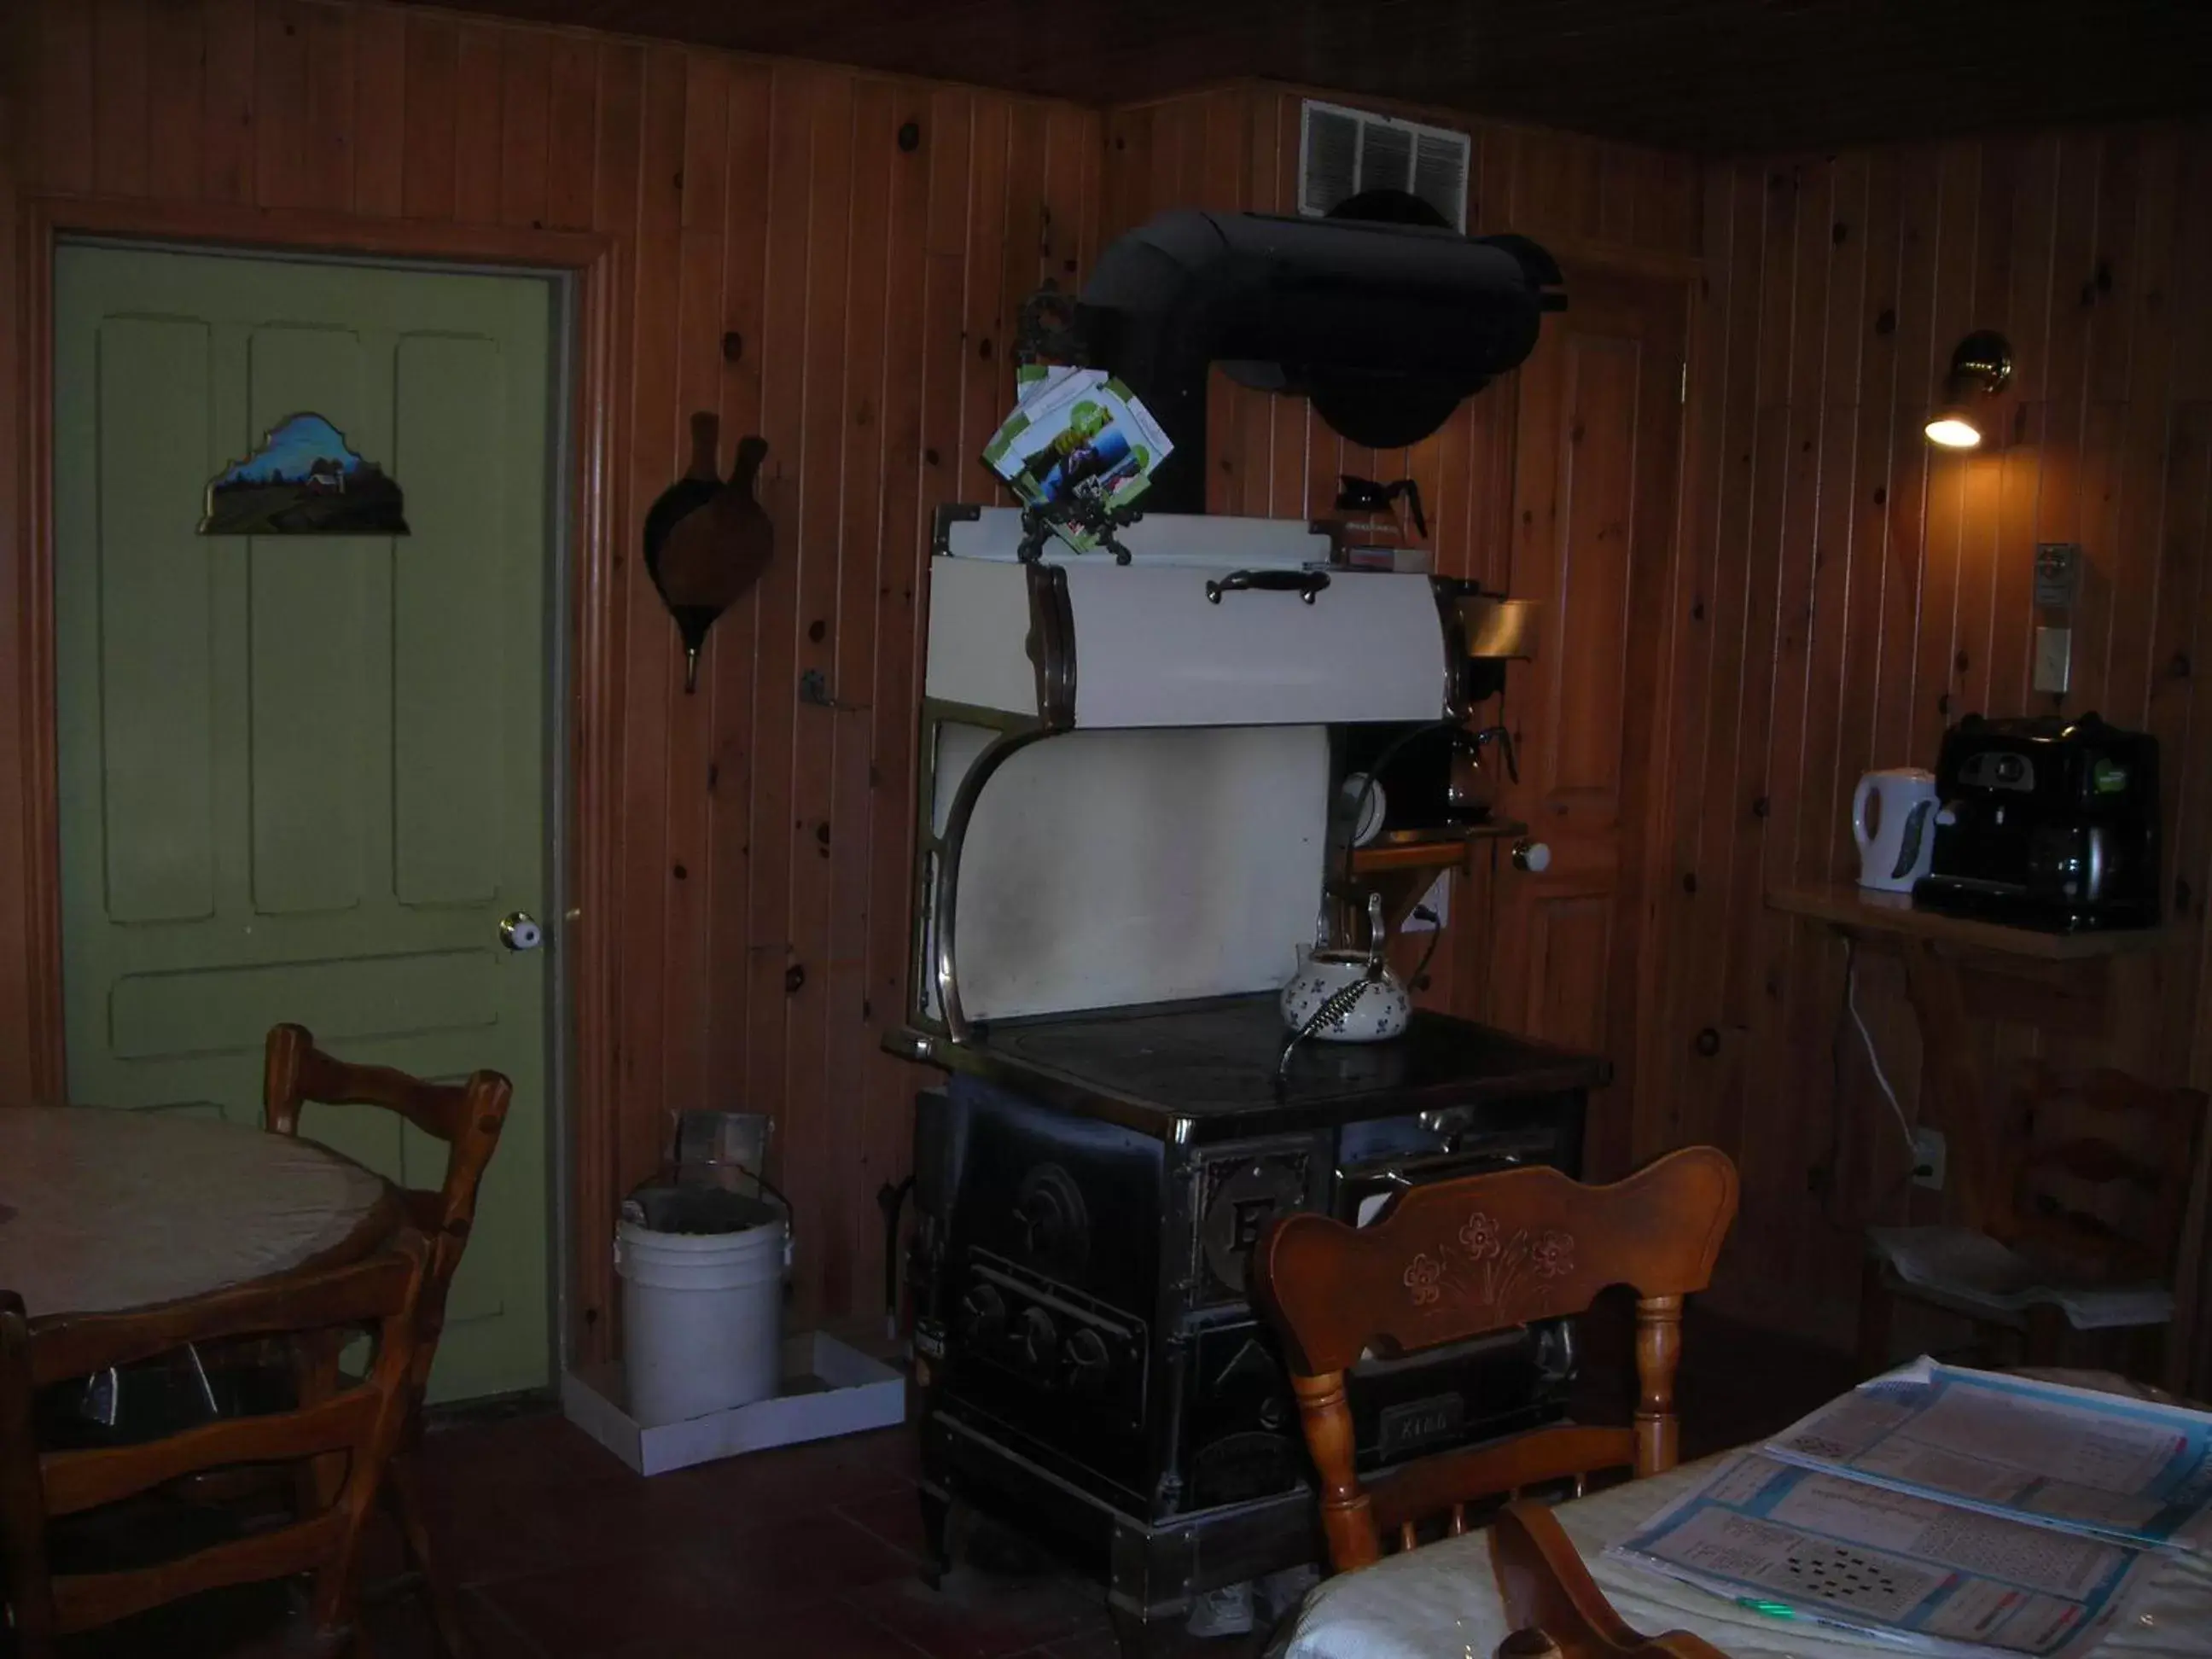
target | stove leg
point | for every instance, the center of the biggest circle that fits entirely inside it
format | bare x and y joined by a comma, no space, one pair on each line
1141,1637
1150,1575
936,1535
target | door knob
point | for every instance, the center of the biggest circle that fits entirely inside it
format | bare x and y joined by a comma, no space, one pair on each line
519,930
1534,856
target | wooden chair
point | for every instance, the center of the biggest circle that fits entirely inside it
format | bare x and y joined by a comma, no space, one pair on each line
360,1426
2098,1179
1555,1606
1459,1259
466,1116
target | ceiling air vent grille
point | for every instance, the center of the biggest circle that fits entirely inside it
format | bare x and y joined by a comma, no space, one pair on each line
1344,151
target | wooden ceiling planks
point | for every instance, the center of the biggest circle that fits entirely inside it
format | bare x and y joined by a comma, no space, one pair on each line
1711,75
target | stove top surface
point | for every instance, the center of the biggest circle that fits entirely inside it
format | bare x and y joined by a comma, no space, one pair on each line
1216,1061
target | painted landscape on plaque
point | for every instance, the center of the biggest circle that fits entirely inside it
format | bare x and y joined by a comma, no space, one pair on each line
305,480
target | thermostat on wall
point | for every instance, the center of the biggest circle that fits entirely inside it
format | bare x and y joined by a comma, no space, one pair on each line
2057,575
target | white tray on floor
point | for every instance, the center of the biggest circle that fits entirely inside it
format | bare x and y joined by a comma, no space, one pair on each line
828,1388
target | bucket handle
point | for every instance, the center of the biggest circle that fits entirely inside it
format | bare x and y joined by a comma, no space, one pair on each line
790,1215
790,1219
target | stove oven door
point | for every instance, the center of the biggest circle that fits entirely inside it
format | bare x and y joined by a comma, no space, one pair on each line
1454,1396
1494,1385
1047,1281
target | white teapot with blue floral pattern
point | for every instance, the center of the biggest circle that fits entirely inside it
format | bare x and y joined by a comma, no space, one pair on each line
1344,994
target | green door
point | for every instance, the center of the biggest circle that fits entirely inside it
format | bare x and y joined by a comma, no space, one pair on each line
302,776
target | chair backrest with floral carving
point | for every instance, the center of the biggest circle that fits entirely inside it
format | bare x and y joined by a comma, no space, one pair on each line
1462,1259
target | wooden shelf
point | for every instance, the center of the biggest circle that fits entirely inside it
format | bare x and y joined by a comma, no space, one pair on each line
1847,906
1441,854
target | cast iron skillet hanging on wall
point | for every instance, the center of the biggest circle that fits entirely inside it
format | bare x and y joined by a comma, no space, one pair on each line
706,541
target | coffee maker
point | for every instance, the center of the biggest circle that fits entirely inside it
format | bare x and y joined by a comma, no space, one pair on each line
2045,822
1434,780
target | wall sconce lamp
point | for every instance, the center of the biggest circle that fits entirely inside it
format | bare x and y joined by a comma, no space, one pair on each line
1979,368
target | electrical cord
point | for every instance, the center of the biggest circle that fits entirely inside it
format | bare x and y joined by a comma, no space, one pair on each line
1849,1011
1874,1059
1436,938
1832,1159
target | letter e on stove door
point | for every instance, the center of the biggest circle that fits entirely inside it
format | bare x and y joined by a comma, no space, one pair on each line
1594,478
301,774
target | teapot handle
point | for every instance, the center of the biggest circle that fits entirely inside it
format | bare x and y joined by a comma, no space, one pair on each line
1376,937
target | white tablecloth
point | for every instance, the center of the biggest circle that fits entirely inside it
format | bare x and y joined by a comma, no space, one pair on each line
101,1211
1440,1601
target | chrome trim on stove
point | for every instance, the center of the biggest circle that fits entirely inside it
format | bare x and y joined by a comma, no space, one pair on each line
1459,701
945,901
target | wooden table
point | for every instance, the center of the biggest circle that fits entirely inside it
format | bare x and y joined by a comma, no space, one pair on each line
2032,971
102,1211
1442,1599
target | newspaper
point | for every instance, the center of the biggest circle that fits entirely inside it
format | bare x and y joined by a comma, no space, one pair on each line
2131,1470
1972,1267
1915,1573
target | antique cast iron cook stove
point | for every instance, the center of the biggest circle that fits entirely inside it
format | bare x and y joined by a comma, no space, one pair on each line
1090,1188
1124,824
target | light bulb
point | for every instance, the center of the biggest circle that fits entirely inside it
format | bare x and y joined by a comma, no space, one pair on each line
1954,432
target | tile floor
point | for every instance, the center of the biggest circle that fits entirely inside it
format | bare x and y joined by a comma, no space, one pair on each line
812,1551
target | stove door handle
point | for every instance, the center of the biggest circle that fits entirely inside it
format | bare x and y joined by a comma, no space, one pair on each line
1304,583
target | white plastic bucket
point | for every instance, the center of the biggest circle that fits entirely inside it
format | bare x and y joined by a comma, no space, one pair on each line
702,1318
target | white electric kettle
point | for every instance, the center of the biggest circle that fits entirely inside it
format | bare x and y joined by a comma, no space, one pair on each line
1897,835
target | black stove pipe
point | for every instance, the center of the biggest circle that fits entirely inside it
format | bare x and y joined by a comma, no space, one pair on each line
1385,326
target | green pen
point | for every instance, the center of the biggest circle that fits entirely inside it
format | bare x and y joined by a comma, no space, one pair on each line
1772,1609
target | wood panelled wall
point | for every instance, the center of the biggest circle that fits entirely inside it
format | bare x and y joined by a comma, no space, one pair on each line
1850,590
1844,591
783,258
19,1002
